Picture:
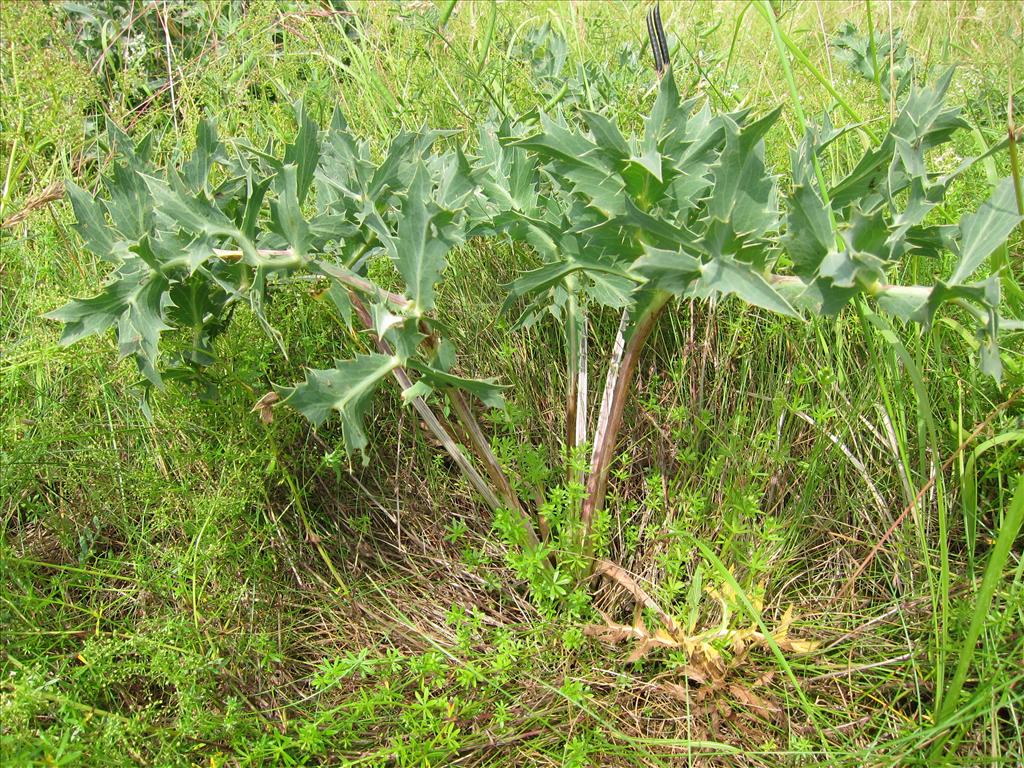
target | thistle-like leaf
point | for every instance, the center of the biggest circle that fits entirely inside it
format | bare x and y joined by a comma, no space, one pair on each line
425,235
506,174
285,213
558,142
607,137
136,301
91,224
130,204
346,389
486,390
667,270
303,153
196,170
743,194
606,277
984,231
179,209
727,276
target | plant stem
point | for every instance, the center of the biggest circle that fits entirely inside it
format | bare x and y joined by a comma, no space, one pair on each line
1012,143
576,386
431,420
478,442
625,357
446,13
581,384
343,276
571,364
352,280
488,36
782,39
873,49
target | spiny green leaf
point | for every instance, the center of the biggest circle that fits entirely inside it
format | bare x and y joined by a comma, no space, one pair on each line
130,204
346,389
194,301
489,393
648,159
667,270
403,333
182,210
743,193
91,224
344,168
925,120
809,235
167,249
285,212
136,301
404,157
890,56
984,231
666,126
544,277
609,290
654,230
120,144
196,170
84,317
140,326
506,174
727,276
255,191
606,135
556,141
600,187
865,178
455,180
425,235
339,297
304,152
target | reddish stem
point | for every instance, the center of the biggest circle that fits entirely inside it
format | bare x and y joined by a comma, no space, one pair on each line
604,449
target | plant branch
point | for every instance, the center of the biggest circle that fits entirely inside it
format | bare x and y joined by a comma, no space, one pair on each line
343,276
425,413
576,387
625,356
478,442
581,385
1012,139
352,280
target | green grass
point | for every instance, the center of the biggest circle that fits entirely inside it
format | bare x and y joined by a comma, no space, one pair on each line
200,588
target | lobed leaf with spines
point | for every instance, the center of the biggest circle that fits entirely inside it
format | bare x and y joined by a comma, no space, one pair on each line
345,389
187,252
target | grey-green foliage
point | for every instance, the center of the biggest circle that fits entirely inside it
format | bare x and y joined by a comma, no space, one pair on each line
879,210
890,64
687,208
546,52
192,242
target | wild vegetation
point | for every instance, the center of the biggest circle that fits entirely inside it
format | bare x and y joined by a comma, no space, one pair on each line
782,529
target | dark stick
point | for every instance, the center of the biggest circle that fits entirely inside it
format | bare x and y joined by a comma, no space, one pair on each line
655,48
662,42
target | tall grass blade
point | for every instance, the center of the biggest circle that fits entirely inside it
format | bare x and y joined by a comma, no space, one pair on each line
1007,535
